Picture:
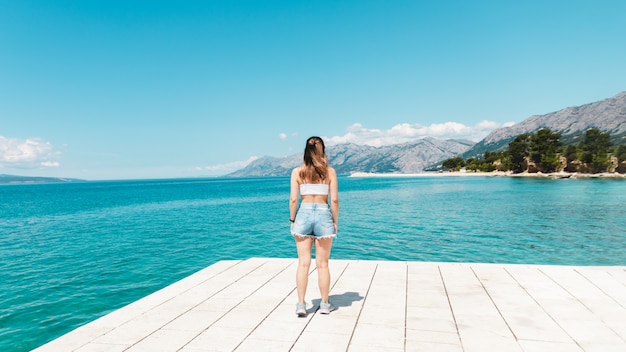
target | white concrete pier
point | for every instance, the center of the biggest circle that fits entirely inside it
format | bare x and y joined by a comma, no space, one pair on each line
249,305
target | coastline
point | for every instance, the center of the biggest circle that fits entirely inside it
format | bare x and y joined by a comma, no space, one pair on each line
553,175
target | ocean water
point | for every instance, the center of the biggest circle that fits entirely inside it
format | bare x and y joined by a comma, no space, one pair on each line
73,252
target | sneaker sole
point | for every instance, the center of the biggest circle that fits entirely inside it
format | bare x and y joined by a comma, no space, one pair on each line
301,313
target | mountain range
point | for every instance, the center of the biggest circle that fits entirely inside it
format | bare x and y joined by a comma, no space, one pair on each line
4,178
411,157
608,115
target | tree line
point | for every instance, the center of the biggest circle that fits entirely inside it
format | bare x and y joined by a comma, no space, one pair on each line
544,152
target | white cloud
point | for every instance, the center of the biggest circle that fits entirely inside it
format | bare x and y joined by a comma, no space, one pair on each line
282,136
29,153
50,163
223,169
406,132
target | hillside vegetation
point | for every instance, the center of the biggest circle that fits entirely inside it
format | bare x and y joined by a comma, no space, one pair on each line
544,152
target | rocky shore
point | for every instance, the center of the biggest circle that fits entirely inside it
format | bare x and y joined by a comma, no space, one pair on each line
553,175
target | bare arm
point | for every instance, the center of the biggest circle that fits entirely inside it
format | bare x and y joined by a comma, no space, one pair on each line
334,196
293,194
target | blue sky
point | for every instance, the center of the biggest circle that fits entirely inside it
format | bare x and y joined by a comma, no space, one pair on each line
155,89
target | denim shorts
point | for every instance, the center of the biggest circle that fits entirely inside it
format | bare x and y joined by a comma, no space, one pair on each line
314,220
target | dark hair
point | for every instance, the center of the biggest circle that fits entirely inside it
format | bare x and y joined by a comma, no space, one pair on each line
315,168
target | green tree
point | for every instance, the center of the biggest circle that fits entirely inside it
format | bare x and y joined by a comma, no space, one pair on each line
471,164
571,155
479,165
594,150
620,153
487,167
495,160
453,163
505,161
519,149
543,149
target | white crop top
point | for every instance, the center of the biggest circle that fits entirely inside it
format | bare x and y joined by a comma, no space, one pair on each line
314,189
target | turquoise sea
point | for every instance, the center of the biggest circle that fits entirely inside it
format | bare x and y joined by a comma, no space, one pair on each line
71,252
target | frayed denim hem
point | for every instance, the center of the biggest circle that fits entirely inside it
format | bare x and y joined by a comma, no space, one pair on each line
313,236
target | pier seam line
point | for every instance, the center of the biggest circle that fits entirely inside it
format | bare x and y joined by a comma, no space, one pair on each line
160,304
273,309
599,288
362,306
583,304
406,299
171,298
309,319
456,325
496,306
228,311
544,310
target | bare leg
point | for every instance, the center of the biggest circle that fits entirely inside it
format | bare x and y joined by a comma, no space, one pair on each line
322,253
303,245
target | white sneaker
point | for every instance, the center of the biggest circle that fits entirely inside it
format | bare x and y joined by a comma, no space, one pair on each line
326,308
301,310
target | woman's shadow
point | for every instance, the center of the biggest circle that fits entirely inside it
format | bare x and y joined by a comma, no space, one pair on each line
342,300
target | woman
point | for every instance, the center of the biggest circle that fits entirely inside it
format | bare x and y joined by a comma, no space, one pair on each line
314,182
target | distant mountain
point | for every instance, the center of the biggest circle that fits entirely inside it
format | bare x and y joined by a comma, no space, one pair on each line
608,115
411,157
33,179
